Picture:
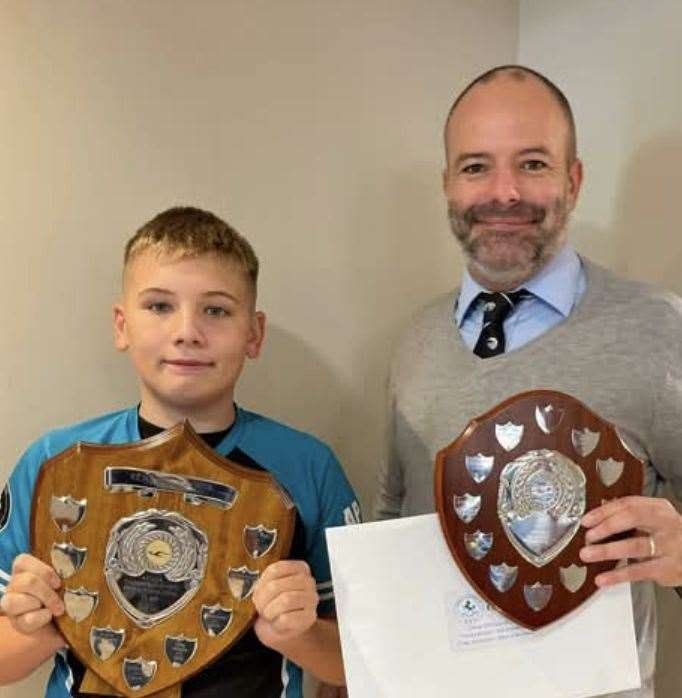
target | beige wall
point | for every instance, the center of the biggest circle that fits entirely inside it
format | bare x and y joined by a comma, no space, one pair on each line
620,65
313,126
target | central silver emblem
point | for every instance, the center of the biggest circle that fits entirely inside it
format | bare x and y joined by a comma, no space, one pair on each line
154,563
540,502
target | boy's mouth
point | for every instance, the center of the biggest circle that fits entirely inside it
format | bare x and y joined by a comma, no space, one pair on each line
187,364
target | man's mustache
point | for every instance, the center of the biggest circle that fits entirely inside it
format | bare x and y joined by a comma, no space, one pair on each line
522,211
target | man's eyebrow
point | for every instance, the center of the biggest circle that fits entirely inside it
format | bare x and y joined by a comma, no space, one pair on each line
471,156
536,149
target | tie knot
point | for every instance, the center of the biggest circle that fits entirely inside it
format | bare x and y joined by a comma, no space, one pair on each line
496,306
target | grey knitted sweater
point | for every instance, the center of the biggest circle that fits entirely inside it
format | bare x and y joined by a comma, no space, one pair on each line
619,351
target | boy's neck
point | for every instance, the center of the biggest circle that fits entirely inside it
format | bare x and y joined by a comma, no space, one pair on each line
202,421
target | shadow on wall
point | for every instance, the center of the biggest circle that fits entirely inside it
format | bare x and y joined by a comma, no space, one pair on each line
647,223
290,382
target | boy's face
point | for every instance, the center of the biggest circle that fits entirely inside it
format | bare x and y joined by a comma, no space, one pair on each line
188,324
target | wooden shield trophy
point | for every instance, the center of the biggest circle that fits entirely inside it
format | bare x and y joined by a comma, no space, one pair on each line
511,491
159,544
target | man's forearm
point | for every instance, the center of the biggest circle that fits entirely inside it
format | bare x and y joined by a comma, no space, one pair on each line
317,651
21,654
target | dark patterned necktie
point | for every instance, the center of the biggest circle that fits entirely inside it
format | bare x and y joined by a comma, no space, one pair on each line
496,308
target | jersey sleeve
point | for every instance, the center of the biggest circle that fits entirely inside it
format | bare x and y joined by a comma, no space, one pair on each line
15,511
338,506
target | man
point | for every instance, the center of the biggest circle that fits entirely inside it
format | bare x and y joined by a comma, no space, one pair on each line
530,313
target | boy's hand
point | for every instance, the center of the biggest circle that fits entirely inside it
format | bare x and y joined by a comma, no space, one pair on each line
30,600
286,600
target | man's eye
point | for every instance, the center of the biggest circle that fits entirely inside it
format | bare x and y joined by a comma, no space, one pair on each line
533,165
474,168
216,311
159,307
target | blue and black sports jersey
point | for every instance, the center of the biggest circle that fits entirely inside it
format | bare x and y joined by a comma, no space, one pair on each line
306,469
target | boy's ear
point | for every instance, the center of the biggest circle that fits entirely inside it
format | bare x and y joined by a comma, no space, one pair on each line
120,334
255,342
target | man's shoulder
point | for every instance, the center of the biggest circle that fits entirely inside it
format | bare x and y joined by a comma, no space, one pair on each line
112,427
431,321
639,299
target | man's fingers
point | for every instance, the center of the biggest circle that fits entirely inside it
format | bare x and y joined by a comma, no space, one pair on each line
637,547
628,573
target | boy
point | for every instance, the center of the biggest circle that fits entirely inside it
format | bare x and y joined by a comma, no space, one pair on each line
187,319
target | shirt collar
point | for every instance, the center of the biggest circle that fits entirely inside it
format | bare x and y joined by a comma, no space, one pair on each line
555,284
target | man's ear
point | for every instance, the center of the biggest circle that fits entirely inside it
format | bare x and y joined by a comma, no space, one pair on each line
575,179
257,336
120,328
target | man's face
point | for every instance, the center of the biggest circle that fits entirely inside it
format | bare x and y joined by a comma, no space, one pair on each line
507,182
188,324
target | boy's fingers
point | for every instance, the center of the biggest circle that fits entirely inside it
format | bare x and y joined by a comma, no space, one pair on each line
28,583
285,568
13,605
32,621
269,588
286,603
32,565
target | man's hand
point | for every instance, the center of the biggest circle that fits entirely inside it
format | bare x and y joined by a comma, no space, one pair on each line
658,551
286,600
30,600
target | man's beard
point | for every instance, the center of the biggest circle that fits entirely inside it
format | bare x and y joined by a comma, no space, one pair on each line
528,250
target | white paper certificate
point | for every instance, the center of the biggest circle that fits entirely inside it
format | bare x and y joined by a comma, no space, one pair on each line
412,626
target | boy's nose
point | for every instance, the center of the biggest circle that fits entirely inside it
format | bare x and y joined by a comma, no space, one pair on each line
188,330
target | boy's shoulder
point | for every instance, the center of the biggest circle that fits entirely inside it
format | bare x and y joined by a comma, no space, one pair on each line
111,428
266,434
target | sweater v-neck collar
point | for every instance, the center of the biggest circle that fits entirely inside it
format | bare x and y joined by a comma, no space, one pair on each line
595,283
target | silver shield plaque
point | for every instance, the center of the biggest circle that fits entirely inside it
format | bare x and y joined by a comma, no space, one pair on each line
80,603
540,503
241,581
105,642
155,561
179,649
137,673
67,512
259,540
67,559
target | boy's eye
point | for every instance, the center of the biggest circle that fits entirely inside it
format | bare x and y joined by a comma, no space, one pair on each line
533,165
159,307
216,311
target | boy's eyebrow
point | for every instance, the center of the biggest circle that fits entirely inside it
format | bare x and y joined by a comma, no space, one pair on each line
207,294
224,294
154,289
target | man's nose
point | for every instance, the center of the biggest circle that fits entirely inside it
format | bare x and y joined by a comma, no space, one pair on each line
188,329
505,187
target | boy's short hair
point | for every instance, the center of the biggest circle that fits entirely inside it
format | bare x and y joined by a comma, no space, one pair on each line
190,232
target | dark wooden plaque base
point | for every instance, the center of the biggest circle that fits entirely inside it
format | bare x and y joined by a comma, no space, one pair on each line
552,421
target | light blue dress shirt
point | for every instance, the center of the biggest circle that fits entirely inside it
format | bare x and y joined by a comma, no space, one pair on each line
556,290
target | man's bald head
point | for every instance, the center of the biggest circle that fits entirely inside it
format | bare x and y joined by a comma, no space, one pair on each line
521,73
